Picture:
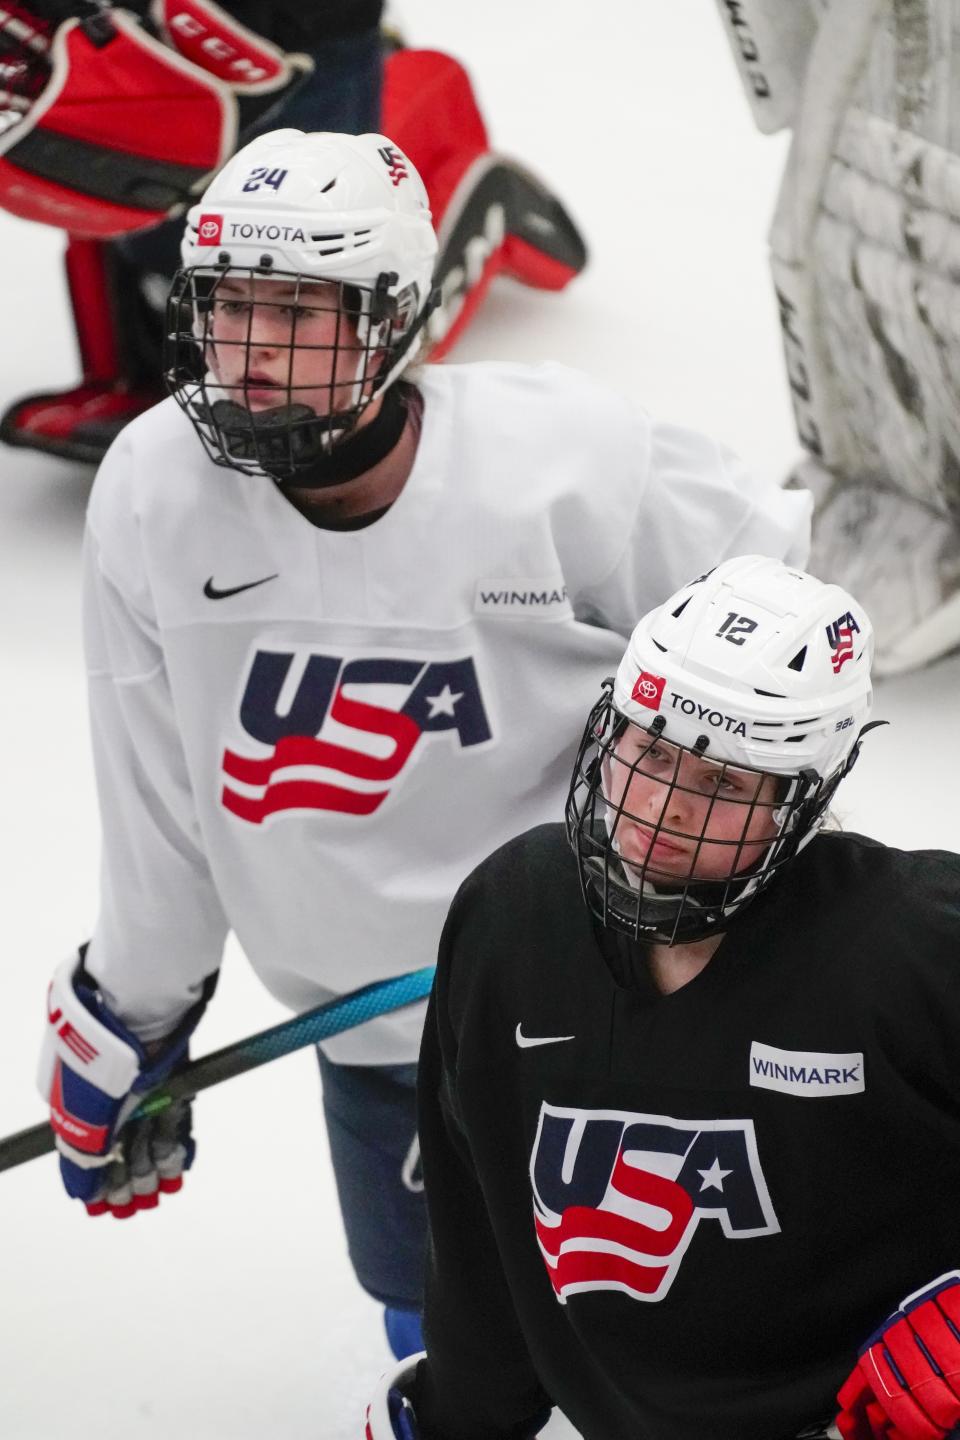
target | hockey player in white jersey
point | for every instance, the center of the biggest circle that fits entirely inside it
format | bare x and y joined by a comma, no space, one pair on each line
323,590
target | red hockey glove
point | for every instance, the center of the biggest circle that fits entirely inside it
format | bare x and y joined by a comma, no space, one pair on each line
94,1072
906,1384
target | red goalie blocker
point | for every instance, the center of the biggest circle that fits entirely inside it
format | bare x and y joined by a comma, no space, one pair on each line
127,127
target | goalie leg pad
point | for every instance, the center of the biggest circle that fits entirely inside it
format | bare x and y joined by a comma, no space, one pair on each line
120,370
492,216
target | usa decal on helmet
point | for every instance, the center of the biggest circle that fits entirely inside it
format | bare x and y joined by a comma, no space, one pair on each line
840,639
395,162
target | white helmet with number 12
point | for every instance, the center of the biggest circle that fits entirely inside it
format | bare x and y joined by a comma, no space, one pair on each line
711,759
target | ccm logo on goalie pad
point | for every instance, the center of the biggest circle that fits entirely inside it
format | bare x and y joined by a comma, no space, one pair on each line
618,1196
215,42
339,733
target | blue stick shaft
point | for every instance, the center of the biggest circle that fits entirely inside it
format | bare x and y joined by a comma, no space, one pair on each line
325,1021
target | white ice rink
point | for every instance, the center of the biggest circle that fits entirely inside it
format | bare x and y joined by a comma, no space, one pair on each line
231,1313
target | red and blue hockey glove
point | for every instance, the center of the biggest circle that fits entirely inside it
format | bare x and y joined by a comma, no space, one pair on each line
906,1384
94,1072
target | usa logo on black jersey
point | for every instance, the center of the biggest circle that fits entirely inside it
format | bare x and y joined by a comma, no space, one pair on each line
336,733
618,1196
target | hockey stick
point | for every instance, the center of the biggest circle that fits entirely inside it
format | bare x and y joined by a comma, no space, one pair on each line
319,1024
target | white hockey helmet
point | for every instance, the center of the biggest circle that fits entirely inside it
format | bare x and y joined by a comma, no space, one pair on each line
756,669
348,213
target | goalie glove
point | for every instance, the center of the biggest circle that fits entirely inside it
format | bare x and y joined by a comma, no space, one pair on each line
94,1072
906,1384
143,121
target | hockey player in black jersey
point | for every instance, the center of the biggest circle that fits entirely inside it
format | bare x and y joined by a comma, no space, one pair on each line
687,1144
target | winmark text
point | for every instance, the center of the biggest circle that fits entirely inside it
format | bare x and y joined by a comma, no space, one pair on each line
523,597
807,1074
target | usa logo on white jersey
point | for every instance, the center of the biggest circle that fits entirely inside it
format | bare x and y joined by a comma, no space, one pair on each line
336,733
618,1196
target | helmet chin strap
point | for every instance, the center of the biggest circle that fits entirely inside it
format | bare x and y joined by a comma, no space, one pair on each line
272,437
360,450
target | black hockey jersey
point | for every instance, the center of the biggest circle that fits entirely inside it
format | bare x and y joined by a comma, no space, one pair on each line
677,1216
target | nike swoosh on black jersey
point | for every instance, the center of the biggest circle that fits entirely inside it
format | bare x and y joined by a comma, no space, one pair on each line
525,1041
212,593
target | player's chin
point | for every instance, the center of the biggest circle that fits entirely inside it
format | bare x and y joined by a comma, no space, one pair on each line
653,858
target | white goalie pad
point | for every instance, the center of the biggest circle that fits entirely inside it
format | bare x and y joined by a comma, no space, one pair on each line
770,41
880,544
866,261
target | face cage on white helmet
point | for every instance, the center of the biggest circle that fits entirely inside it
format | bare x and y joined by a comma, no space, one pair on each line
372,340
644,899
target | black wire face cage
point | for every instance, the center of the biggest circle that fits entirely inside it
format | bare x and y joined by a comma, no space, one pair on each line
670,844
275,368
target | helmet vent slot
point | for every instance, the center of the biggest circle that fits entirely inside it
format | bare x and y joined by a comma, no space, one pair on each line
329,186
659,646
773,694
797,662
680,609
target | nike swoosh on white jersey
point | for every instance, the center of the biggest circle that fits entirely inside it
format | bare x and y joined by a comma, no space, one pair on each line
526,1040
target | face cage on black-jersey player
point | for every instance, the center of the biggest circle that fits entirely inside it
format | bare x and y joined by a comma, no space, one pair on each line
373,329
650,904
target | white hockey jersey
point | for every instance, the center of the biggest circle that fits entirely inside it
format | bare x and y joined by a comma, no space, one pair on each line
313,736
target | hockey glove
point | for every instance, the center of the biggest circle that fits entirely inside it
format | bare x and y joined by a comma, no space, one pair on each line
94,1072
906,1385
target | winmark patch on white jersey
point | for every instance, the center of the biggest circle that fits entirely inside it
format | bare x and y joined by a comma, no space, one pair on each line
811,1074
522,597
